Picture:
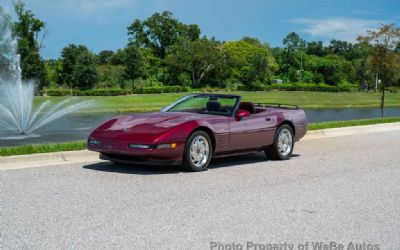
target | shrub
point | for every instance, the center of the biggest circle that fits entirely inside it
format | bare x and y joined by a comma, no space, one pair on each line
149,90
150,82
300,87
393,89
91,92
116,91
172,89
102,92
162,89
58,92
231,85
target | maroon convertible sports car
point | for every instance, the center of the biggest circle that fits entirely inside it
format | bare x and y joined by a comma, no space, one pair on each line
198,127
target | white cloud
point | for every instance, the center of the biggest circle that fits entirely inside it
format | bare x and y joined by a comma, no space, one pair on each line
336,28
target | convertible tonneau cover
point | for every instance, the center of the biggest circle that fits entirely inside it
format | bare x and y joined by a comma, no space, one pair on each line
277,105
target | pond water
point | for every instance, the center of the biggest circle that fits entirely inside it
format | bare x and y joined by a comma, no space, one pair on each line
77,127
325,115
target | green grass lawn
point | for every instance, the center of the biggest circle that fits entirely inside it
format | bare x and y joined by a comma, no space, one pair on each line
352,123
153,102
42,148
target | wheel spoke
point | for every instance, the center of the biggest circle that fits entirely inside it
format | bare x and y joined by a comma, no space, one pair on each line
199,151
285,142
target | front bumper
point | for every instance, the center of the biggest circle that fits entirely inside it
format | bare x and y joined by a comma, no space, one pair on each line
119,151
137,160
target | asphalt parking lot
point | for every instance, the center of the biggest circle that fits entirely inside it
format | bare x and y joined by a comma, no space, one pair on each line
342,190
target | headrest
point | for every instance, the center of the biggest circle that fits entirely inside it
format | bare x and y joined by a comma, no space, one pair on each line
213,106
249,106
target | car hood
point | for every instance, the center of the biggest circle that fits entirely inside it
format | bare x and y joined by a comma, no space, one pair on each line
144,126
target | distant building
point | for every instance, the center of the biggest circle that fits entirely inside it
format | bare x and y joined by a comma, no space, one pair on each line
279,81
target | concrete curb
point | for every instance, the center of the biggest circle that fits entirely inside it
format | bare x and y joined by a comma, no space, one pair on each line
356,130
47,159
85,156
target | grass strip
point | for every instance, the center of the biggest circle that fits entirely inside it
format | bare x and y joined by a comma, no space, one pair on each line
42,148
352,123
80,145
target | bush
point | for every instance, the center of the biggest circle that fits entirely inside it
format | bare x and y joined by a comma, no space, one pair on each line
150,82
116,91
149,90
101,92
209,89
91,92
162,89
172,89
231,85
393,89
58,92
110,76
300,87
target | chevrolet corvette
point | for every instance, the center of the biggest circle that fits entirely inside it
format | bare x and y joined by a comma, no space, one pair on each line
197,128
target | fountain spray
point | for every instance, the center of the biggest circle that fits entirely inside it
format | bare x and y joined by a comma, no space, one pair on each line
17,112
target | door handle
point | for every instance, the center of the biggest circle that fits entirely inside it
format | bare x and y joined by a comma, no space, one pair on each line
268,119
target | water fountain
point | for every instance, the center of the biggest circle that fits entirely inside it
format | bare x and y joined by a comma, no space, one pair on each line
17,112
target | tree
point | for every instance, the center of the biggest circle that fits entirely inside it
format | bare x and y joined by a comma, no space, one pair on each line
330,69
295,46
111,76
196,58
134,63
79,67
160,31
249,62
53,69
85,73
104,56
358,56
384,59
339,47
5,46
294,42
316,48
27,30
118,58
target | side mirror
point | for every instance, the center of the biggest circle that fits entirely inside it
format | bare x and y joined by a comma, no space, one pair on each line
240,114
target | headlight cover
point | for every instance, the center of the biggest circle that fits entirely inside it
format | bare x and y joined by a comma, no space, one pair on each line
146,146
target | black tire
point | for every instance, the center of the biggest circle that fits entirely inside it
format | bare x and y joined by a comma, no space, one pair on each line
188,162
274,153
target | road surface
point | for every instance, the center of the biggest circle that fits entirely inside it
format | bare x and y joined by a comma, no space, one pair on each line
344,190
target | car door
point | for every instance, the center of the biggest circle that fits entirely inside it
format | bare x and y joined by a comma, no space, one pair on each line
252,132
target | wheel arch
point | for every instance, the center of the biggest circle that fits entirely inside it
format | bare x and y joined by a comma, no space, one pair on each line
287,122
209,132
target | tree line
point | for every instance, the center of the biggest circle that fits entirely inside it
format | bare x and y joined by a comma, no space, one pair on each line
162,50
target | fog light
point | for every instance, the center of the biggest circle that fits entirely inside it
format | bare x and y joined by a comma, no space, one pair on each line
139,146
94,142
172,145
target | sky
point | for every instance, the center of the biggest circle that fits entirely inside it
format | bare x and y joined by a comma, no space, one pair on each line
101,24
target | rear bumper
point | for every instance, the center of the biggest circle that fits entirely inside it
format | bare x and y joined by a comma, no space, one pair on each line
301,131
137,161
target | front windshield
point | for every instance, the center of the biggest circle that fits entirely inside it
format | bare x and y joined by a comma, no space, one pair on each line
206,104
